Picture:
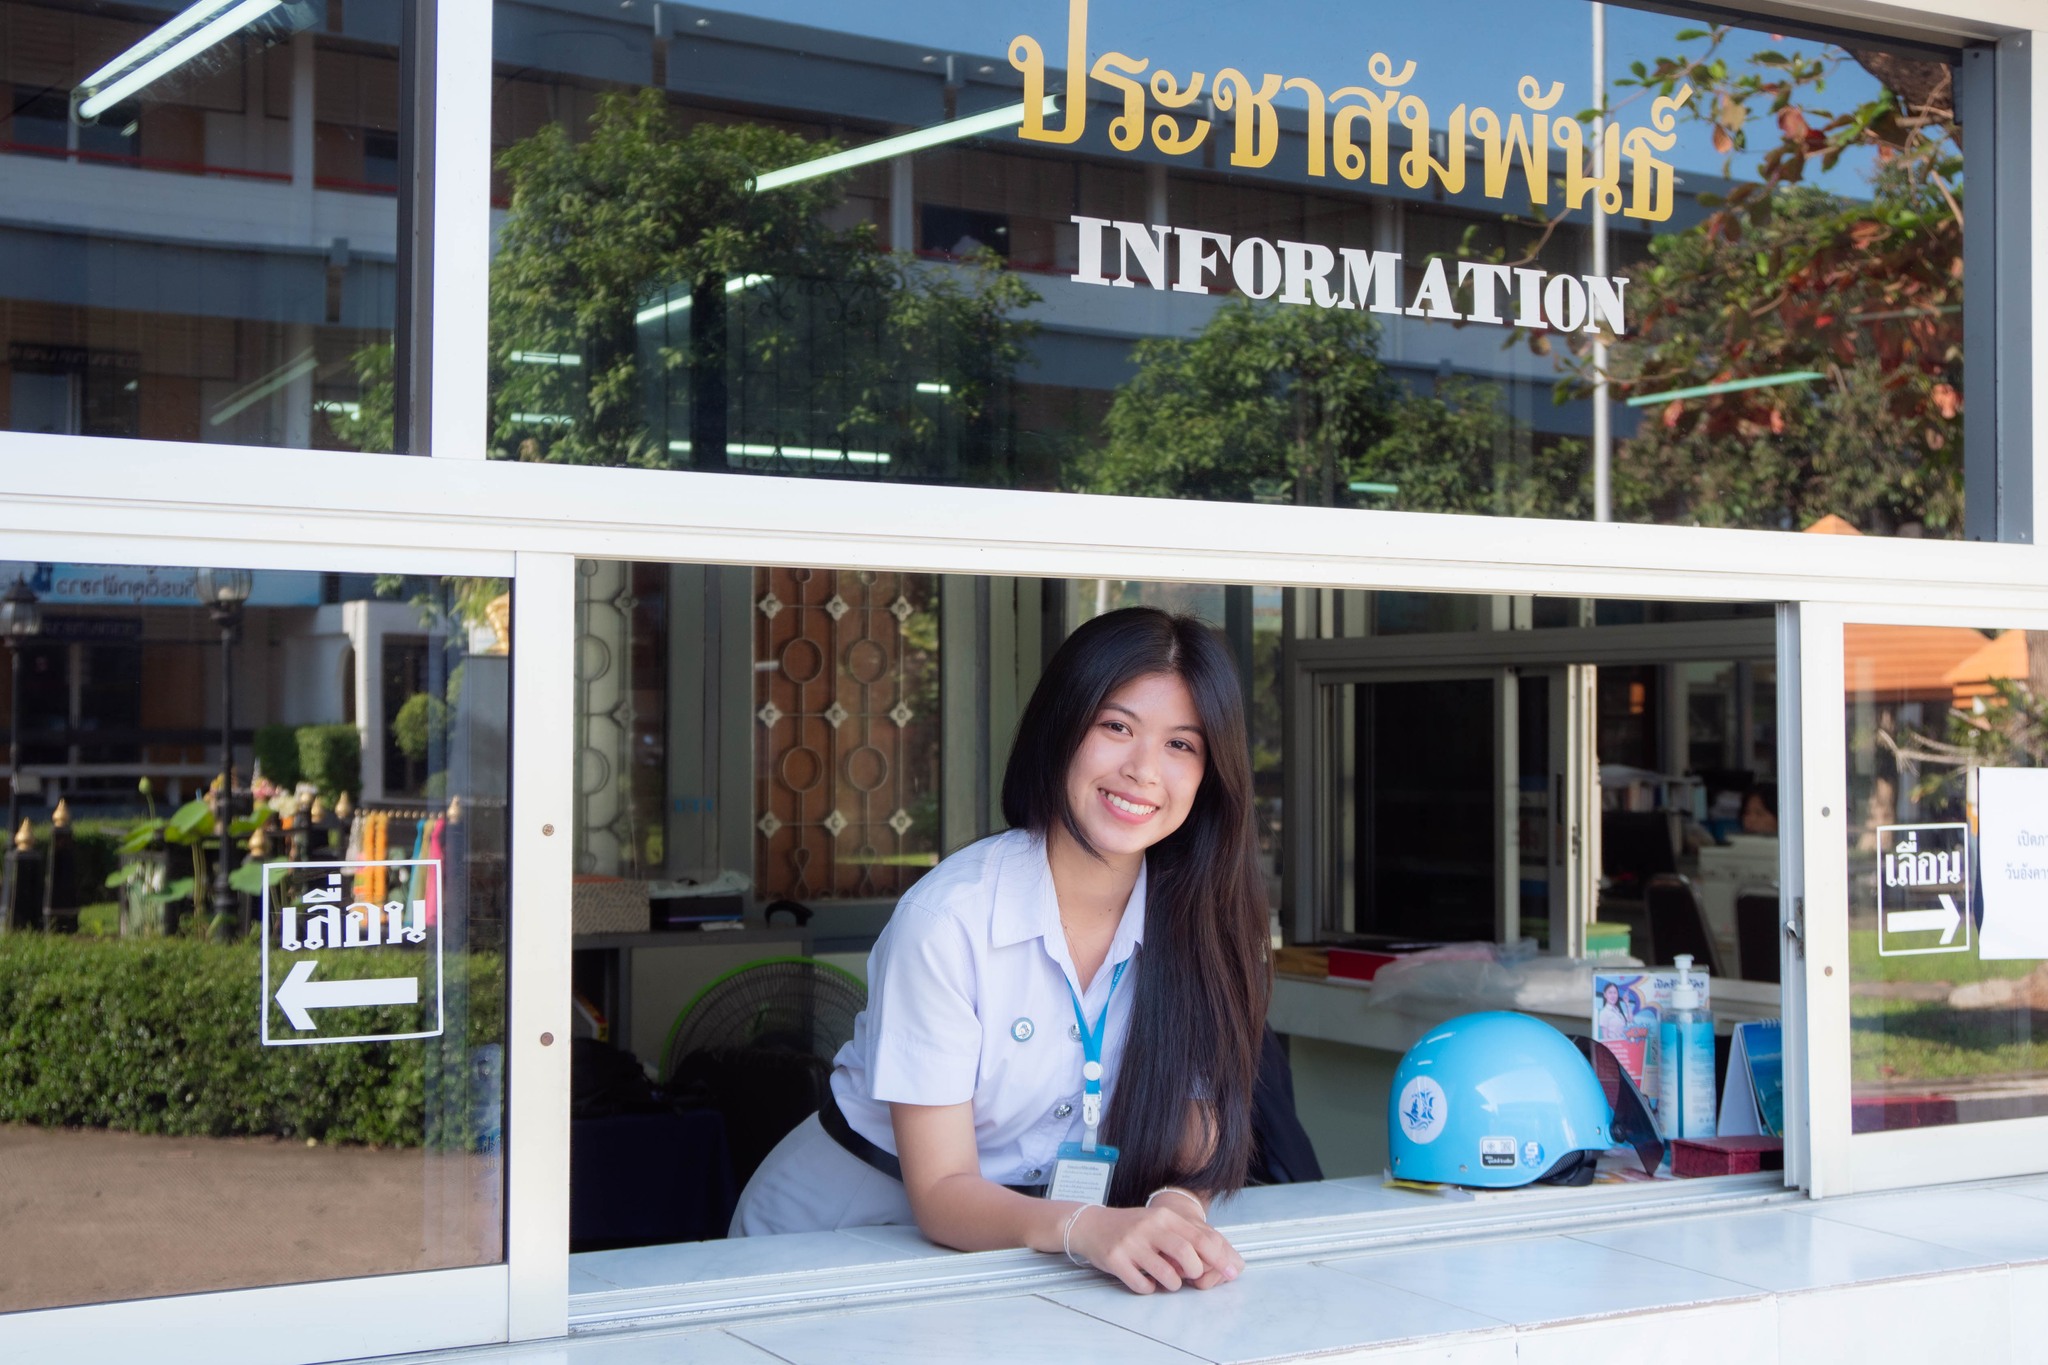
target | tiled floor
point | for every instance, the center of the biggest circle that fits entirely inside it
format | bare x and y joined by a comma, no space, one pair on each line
1871,1278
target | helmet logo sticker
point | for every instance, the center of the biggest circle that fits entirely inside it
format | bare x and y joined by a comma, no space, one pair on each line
1532,1153
1423,1109
1497,1151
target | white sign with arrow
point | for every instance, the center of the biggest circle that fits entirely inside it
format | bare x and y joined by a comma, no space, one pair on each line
1923,889
358,946
1947,919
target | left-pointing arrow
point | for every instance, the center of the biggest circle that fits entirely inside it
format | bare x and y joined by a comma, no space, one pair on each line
299,993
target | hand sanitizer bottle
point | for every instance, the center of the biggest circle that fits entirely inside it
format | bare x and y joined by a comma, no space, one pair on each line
1685,1077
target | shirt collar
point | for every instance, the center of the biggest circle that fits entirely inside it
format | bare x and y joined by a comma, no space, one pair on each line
1027,907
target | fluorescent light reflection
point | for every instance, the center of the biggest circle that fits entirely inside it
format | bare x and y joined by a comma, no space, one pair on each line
544,358
254,392
170,47
336,407
934,388
1732,386
901,145
758,452
677,305
544,419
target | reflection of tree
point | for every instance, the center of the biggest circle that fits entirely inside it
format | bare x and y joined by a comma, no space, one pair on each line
1280,404
1784,277
649,307
2010,730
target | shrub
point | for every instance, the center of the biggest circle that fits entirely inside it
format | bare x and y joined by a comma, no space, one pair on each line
421,724
161,1036
277,754
331,758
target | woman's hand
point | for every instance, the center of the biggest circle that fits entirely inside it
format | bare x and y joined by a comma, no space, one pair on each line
1163,1247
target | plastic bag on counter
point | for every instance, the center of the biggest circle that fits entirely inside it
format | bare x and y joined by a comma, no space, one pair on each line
1463,977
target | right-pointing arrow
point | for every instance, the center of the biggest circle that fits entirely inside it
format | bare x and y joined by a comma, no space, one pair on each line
299,993
1947,919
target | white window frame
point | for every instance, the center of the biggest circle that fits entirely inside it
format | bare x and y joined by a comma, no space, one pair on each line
1845,1162
329,1319
105,500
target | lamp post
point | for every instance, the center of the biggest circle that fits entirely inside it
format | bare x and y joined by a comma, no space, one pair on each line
21,620
224,592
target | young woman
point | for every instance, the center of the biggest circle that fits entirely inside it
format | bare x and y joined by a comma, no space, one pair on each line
1105,959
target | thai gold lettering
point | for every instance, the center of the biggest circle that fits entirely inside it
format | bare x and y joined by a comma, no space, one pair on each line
1166,134
1530,142
1377,109
1351,128
1258,127
1114,69
1581,175
1420,160
1316,115
1653,178
1028,57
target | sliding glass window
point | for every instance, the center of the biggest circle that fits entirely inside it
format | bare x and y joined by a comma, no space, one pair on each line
1326,258
200,241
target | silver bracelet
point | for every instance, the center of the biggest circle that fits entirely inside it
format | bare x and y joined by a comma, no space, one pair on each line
1067,1236
1185,1194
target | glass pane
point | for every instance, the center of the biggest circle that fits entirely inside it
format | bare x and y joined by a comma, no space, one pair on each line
203,242
947,247
1417,821
1948,817
285,1063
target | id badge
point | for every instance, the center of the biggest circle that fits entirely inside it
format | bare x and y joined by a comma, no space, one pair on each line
1082,1176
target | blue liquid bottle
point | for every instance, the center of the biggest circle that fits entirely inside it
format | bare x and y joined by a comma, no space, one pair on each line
1685,1073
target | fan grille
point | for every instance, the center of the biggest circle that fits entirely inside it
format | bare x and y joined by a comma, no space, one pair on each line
793,1004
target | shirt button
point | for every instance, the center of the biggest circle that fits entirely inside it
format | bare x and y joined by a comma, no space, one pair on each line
1074,1032
1034,1174
1063,1111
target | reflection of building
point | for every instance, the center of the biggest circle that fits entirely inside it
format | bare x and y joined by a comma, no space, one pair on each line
231,309
1018,199
123,681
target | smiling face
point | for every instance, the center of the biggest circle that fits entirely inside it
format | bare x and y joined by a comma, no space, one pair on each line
1133,779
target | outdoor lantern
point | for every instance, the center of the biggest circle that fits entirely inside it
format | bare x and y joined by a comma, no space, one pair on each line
21,613
223,589
222,592
21,620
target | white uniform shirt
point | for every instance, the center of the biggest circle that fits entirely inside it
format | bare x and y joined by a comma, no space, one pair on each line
972,958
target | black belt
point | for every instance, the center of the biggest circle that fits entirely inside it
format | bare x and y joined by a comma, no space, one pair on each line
840,1131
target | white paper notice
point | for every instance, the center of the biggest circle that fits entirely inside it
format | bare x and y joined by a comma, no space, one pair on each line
2012,851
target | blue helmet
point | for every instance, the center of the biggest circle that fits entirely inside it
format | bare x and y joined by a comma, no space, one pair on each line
1497,1100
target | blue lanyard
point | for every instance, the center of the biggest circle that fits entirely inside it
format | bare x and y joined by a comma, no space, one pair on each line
1091,1050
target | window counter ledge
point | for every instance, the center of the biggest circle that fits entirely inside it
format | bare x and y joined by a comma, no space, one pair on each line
1960,1269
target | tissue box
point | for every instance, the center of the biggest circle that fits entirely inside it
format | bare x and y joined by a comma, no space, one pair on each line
1726,1155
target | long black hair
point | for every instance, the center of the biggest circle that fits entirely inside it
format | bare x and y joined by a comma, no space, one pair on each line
1205,973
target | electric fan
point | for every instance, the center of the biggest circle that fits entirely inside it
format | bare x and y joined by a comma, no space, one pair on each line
757,1045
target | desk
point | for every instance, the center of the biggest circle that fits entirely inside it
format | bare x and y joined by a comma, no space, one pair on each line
1343,1048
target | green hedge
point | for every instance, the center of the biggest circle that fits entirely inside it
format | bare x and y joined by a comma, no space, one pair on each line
160,1036
331,758
277,754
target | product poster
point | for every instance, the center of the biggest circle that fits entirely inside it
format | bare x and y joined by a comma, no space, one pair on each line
2012,855
1628,1007
1625,1021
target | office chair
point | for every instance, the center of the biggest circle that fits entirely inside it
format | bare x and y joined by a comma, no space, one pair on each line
1678,922
1757,933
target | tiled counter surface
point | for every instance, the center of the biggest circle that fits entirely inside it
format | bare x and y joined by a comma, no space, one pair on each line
1927,1274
